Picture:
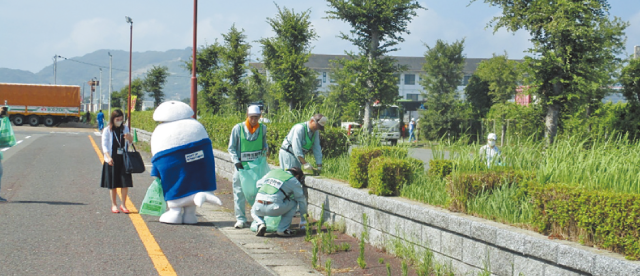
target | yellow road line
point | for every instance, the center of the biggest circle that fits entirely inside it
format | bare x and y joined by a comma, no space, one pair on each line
158,258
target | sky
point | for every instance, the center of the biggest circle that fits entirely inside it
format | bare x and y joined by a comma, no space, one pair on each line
32,32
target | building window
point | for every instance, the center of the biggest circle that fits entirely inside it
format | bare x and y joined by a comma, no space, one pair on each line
397,76
409,79
318,83
324,77
412,97
465,80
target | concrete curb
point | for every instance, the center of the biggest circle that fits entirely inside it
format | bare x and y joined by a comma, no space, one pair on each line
463,241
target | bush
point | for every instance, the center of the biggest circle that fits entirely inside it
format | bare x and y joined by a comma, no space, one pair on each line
142,120
605,219
388,175
361,157
440,167
463,186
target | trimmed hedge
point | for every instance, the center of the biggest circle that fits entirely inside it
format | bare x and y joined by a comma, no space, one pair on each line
142,120
462,186
360,159
440,167
388,175
605,219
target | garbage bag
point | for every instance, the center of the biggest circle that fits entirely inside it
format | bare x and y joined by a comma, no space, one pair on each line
7,137
272,224
250,175
154,203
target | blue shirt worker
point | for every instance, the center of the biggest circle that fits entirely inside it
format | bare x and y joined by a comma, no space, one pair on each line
247,143
302,138
280,192
100,119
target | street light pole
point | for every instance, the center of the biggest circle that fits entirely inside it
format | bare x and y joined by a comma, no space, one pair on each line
130,51
100,84
110,60
55,64
194,79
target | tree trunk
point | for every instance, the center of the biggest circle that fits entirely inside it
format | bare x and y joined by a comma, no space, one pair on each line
373,49
504,130
291,105
551,122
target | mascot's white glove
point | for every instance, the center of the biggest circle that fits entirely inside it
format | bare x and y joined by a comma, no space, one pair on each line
308,167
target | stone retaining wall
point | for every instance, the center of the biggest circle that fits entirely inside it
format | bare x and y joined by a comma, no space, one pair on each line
467,243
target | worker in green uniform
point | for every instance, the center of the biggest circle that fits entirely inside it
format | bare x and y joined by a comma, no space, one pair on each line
247,143
302,138
280,192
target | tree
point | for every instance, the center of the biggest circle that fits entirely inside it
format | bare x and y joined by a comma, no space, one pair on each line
477,94
211,97
234,58
443,73
257,86
630,80
503,76
285,56
154,82
377,26
120,98
574,45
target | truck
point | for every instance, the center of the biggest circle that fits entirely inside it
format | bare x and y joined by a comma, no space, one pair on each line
386,122
41,103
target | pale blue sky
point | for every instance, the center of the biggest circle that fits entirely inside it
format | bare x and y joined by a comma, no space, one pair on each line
31,32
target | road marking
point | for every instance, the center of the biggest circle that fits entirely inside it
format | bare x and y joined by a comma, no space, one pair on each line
19,142
27,137
5,149
97,133
160,261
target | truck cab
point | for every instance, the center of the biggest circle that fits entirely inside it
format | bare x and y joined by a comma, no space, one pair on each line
386,122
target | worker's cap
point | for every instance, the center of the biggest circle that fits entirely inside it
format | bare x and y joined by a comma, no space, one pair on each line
492,136
320,119
253,110
412,119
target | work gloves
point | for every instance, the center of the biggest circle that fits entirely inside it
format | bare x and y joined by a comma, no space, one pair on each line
308,167
239,166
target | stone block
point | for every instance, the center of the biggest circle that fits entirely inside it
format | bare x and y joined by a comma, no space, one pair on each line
382,221
550,270
543,249
500,261
452,245
413,231
353,227
396,226
460,225
526,266
376,238
576,258
512,240
605,265
483,232
431,238
474,253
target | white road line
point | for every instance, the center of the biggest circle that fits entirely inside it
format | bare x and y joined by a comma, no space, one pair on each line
97,134
5,149
27,137
19,142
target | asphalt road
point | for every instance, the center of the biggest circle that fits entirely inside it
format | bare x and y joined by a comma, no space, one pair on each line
58,219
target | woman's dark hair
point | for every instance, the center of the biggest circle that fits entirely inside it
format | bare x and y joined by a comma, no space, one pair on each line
115,114
298,173
3,111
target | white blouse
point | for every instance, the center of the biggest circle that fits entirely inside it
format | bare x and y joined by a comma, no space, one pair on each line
107,139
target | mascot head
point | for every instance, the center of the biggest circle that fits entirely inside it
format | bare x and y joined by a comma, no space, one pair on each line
176,127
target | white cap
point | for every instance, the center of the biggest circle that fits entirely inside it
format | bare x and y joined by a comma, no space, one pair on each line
412,119
492,136
253,110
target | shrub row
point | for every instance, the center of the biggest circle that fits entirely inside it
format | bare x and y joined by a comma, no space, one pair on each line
142,120
462,186
440,167
605,219
388,175
360,159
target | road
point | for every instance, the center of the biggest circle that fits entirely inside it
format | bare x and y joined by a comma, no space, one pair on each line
58,219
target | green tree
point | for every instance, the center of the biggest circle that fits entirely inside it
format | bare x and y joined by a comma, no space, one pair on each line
120,98
258,86
443,72
377,26
154,82
234,58
574,45
285,56
477,94
630,80
503,76
208,63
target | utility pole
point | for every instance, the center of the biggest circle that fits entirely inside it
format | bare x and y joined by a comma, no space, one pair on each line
100,84
636,51
55,64
110,60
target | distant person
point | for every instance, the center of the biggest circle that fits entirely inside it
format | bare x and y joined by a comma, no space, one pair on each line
100,119
412,130
114,139
490,152
280,194
3,113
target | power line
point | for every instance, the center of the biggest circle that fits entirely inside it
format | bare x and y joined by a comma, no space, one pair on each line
106,67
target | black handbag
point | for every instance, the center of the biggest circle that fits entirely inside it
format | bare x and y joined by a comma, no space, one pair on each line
133,161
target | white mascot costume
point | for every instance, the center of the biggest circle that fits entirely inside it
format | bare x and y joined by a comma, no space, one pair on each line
183,160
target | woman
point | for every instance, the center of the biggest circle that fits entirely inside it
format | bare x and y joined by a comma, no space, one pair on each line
114,141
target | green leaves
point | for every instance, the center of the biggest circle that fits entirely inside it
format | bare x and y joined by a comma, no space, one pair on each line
154,82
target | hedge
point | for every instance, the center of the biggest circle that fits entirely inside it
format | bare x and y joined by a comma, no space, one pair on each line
462,186
360,159
605,219
440,167
388,175
143,120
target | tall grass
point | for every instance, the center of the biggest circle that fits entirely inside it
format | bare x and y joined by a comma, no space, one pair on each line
503,204
427,189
